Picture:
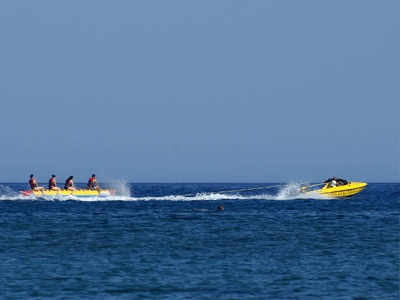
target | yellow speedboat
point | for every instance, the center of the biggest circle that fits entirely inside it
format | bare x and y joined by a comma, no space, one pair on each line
77,193
345,190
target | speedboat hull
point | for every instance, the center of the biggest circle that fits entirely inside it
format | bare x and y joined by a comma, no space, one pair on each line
346,190
76,193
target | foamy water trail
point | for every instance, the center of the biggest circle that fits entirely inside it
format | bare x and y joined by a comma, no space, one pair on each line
287,192
6,193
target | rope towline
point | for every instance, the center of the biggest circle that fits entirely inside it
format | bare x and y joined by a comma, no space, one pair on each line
244,190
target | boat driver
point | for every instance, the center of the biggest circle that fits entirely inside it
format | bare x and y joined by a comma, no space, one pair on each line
334,182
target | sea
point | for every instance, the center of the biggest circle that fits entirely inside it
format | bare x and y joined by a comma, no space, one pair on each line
200,241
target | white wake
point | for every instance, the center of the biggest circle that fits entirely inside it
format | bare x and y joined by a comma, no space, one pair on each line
287,192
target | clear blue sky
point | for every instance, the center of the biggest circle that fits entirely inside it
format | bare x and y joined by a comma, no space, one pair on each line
200,91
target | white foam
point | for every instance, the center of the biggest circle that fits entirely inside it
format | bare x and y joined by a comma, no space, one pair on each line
287,192
122,187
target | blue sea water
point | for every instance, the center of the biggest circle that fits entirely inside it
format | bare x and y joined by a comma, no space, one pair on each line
169,241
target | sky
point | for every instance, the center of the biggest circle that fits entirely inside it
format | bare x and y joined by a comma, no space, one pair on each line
200,91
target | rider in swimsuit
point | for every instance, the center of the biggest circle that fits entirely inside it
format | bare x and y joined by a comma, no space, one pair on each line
53,183
34,185
69,184
92,183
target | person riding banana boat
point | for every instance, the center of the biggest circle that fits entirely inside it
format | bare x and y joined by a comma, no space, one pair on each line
34,185
69,184
92,183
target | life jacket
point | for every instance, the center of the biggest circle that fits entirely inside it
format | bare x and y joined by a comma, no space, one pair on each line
52,183
32,183
91,181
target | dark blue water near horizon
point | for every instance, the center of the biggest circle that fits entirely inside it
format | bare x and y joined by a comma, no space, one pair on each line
169,241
